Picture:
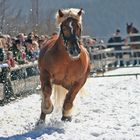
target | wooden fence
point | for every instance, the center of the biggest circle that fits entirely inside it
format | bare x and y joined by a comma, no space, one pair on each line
106,59
18,81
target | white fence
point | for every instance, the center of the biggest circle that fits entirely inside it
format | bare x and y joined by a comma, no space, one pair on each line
104,59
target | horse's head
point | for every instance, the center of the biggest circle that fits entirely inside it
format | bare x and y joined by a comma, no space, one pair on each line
70,30
131,29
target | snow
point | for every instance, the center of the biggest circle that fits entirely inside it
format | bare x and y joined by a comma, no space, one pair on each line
110,110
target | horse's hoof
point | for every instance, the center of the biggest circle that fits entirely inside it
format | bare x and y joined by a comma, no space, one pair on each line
40,123
51,110
66,119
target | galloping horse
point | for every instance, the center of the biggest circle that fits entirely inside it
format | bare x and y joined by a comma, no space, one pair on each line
63,61
132,31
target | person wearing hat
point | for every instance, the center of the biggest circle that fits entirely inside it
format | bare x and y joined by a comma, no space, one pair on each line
29,49
118,31
117,39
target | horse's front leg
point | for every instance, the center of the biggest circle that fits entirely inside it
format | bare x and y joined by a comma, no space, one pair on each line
68,102
46,104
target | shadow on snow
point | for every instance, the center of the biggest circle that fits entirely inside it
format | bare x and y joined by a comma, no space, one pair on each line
35,133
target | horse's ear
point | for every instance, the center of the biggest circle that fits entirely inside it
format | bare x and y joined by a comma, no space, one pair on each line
80,12
60,13
131,24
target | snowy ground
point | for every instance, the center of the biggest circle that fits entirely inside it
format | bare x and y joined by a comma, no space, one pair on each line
110,110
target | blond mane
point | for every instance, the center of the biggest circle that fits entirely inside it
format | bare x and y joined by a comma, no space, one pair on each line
72,12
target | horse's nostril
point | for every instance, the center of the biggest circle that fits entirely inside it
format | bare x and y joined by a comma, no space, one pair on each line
74,50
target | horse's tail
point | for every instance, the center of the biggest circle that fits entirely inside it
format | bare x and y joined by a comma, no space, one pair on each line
59,94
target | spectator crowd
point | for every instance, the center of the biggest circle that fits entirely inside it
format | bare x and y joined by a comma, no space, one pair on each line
21,49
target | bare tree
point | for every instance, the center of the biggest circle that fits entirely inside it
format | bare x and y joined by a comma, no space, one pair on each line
14,23
50,21
2,14
35,14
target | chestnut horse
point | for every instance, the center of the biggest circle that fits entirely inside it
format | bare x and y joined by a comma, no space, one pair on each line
63,61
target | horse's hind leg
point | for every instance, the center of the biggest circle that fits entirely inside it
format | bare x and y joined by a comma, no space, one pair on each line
46,105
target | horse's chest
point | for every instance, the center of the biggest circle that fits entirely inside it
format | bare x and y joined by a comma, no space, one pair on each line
66,72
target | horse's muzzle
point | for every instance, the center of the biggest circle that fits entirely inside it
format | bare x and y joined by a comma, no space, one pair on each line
74,50
73,47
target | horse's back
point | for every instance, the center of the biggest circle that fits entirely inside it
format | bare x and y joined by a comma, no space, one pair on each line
49,43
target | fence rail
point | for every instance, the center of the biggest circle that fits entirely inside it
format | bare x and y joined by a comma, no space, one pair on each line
24,78
110,58
18,81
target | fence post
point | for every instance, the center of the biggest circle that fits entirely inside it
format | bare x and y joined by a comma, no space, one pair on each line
7,86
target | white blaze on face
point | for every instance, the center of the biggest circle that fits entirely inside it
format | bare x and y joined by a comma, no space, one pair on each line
70,25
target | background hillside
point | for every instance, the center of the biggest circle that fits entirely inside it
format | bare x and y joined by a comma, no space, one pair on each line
101,17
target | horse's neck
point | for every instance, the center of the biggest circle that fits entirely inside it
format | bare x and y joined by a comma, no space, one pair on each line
60,42
49,43
135,30
135,38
